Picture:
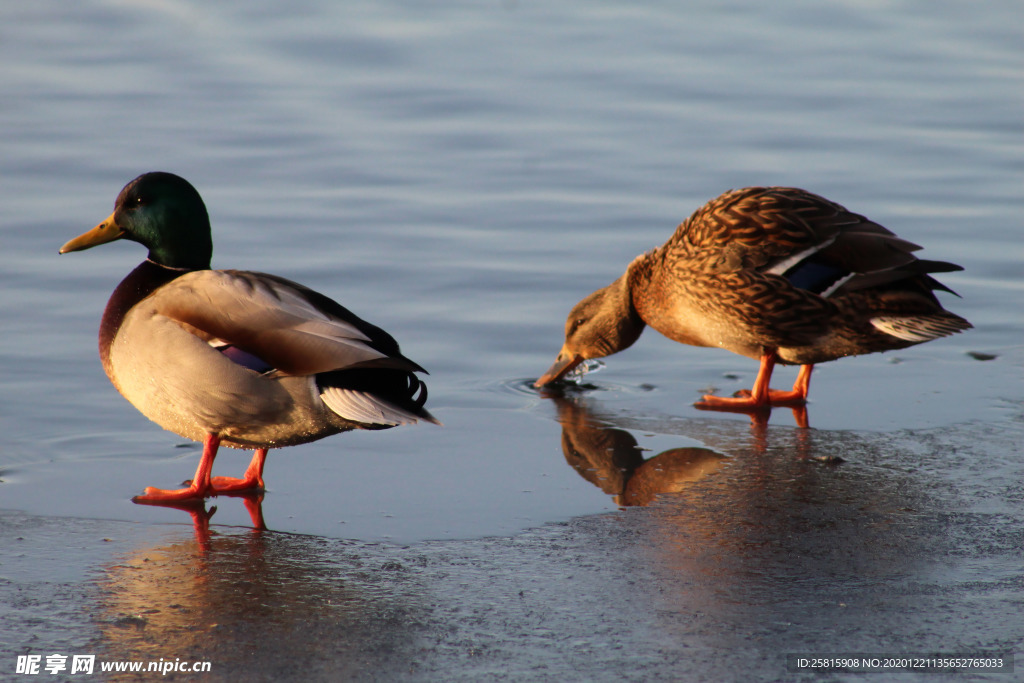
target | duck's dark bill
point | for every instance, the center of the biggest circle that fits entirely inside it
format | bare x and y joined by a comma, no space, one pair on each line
563,365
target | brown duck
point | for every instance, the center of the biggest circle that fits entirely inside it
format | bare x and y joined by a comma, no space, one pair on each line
773,273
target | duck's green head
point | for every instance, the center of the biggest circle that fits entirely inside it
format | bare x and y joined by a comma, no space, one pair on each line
164,213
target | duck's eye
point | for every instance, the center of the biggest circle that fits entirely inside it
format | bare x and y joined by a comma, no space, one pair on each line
136,202
575,324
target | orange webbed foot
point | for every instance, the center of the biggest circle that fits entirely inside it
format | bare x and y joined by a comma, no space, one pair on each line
741,402
251,481
202,485
220,485
787,398
762,398
778,397
192,494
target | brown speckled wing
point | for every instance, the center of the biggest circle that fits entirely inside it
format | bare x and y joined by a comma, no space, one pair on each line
758,227
767,309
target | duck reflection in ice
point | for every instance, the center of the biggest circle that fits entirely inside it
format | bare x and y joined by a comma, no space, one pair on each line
201,514
260,605
611,459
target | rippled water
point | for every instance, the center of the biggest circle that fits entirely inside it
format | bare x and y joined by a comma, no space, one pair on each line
461,175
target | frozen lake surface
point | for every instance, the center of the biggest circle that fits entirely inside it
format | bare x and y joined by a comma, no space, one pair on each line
461,176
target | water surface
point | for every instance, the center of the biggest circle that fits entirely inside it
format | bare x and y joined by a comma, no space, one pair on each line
461,175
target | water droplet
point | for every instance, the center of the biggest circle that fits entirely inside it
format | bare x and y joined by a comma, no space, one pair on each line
576,374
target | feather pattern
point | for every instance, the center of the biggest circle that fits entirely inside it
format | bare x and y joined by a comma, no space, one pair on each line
267,318
781,268
234,352
772,273
239,358
365,408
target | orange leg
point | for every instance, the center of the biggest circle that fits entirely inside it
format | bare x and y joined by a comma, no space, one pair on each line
252,480
198,489
798,395
203,485
761,397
